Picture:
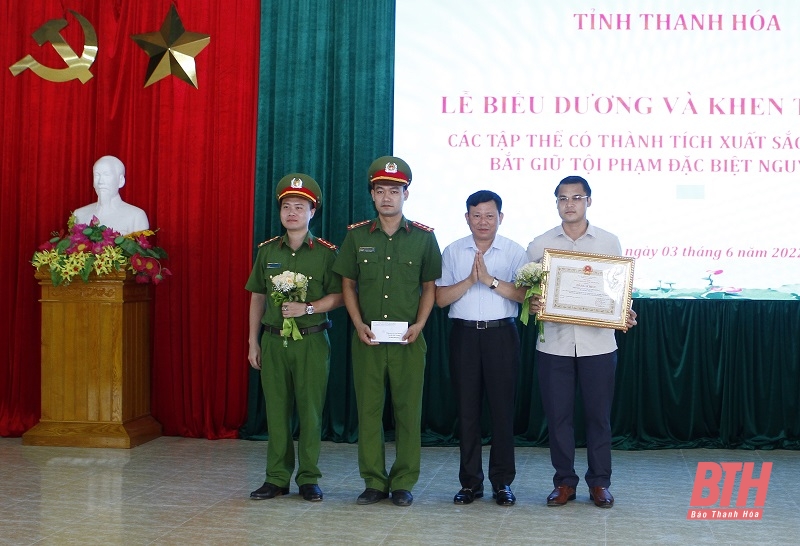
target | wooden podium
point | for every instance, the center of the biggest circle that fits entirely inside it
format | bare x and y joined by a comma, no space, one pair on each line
95,363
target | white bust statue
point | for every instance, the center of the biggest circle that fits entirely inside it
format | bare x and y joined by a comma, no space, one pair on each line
110,209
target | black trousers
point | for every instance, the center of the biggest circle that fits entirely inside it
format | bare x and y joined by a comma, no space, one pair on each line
558,378
485,360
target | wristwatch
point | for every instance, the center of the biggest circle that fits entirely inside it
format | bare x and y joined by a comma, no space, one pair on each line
309,309
495,283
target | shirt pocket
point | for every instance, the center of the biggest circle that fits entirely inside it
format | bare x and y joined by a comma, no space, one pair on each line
408,271
369,266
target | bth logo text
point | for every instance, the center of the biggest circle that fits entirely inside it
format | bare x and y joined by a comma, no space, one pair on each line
713,491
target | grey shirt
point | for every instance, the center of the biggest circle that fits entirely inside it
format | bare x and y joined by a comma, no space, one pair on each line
573,339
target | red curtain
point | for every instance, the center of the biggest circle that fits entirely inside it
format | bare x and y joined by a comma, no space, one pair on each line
189,155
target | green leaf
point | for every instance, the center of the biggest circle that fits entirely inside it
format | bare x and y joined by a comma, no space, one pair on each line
87,268
62,246
129,247
154,252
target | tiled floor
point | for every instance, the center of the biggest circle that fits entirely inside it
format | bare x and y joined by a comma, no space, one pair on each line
189,491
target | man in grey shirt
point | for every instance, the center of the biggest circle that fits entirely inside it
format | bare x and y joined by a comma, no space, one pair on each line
575,354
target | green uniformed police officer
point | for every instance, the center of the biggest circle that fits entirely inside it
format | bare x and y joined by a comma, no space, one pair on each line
389,266
293,369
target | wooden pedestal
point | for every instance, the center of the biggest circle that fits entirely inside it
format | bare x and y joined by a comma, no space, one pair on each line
95,364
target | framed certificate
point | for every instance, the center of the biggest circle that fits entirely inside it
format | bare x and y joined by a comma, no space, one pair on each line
587,289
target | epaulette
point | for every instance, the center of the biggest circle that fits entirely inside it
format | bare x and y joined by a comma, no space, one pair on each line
423,227
358,224
268,241
325,243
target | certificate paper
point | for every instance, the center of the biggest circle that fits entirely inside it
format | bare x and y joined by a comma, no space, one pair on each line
387,331
587,289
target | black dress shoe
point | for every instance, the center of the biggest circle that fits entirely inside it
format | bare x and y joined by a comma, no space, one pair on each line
371,496
467,495
401,497
504,496
269,491
311,492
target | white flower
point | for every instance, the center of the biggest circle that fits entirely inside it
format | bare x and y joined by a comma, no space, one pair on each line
529,274
290,284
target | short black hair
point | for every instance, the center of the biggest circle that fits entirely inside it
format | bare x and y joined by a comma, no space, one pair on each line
484,196
575,180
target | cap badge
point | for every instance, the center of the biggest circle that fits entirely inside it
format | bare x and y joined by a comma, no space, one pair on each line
391,167
296,183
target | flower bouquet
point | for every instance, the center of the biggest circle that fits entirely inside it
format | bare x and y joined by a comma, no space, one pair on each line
530,275
95,247
289,286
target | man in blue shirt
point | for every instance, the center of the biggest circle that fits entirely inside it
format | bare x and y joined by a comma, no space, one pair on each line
477,283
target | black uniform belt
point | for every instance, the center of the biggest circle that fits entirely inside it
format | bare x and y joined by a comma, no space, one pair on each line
484,324
303,331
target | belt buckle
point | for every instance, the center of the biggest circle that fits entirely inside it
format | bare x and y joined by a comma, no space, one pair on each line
481,324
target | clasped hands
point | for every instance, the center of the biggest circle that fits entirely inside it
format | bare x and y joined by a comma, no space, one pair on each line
479,272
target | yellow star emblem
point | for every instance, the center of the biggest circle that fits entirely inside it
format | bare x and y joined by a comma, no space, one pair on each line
172,50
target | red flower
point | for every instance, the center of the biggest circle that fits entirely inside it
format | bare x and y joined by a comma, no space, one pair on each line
151,266
138,262
79,246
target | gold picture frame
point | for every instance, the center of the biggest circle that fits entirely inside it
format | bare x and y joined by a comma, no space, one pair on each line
586,289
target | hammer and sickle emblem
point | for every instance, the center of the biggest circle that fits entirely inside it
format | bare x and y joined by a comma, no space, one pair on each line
77,67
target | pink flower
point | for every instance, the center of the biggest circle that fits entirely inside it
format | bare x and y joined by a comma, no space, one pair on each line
78,237
160,277
143,242
109,235
714,271
97,248
142,278
726,289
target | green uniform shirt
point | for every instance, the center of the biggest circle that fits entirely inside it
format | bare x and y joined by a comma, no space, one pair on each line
389,270
314,259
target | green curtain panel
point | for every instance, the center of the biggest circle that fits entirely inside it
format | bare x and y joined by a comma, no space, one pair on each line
720,374
325,108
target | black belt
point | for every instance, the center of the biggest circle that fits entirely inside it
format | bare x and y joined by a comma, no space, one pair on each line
303,331
484,324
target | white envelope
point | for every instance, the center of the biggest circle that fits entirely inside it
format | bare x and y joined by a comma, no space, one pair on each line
388,331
